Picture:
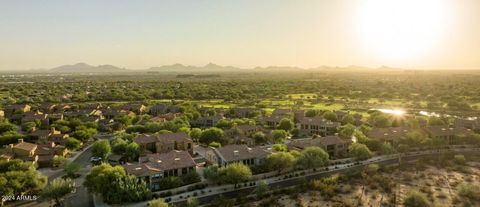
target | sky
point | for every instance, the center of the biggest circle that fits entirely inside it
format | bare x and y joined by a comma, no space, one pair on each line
421,34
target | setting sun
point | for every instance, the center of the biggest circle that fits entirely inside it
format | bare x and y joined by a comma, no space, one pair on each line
399,30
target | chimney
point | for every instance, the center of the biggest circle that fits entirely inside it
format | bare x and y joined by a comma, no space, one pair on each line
20,140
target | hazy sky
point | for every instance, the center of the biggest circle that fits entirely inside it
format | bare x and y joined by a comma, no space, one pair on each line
140,34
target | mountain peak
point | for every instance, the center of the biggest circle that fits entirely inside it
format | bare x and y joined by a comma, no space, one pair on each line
86,68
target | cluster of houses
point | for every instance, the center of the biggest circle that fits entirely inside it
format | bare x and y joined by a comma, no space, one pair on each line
172,154
447,134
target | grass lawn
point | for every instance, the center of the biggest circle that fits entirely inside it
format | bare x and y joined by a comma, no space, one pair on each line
326,106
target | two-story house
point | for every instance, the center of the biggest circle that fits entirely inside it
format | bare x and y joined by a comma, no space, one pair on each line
335,146
153,167
317,125
164,142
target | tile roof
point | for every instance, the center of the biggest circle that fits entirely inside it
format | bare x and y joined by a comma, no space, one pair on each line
161,162
390,133
25,146
231,153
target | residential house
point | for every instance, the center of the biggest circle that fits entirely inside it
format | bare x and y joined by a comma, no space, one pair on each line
335,146
47,107
206,121
47,152
163,109
164,142
10,110
298,114
153,167
61,108
165,117
473,124
241,134
316,125
32,117
242,112
134,107
42,134
271,121
59,139
448,134
236,153
23,149
55,117
390,134
112,113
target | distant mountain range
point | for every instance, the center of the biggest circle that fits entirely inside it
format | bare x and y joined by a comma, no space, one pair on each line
85,68
211,67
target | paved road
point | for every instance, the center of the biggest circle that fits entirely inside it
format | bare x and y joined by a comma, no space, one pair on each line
81,196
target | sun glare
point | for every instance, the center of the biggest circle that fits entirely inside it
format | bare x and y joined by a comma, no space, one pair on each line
396,112
399,30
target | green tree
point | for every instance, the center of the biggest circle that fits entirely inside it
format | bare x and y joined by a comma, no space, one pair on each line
119,145
132,151
280,147
235,173
71,168
387,149
192,202
159,202
416,199
262,189
211,135
460,159
72,143
279,135
215,144
59,161
415,138
115,185
28,126
330,116
372,169
348,119
313,157
20,178
196,133
381,120
58,189
280,161
346,131
6,127
85,134
286,124
435,121
101,148
359,151
260,137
